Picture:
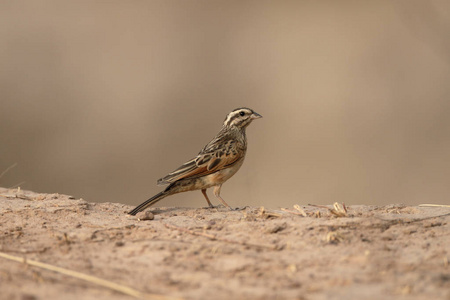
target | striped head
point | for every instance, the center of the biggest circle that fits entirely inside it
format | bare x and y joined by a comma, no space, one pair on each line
240,118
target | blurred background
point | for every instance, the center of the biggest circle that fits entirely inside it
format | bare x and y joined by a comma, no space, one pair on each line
100,99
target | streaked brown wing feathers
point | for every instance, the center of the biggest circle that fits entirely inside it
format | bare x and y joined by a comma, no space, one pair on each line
205,162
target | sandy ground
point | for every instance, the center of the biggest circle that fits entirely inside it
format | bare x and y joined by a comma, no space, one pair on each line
369,252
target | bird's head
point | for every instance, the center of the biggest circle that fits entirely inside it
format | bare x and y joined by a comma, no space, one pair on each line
240,117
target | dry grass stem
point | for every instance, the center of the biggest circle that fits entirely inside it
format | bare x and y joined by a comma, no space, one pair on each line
18,194
300,210
339,210
7,169
433,205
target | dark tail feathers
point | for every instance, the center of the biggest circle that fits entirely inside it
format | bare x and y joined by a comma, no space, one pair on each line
148,203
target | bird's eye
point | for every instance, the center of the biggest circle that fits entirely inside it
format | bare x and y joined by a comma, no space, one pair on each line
242,113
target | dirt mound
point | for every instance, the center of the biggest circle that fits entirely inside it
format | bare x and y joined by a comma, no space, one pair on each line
363,252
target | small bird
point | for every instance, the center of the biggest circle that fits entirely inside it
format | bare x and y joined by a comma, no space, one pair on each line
220,159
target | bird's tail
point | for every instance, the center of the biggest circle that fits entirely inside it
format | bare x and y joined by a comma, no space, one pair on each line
149,203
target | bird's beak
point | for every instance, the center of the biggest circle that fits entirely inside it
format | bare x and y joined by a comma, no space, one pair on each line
256,115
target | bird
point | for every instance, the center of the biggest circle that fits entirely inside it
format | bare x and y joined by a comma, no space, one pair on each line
220,159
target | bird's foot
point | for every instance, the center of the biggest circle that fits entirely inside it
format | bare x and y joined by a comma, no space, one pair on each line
239,208
211,207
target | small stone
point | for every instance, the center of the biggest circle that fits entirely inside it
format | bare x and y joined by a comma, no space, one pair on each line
145,215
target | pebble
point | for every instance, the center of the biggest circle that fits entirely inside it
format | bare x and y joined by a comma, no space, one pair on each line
145,215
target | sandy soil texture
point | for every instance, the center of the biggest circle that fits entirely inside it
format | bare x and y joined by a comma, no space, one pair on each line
367,252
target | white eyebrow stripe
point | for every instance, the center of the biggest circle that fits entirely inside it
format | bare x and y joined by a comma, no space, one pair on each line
233,114
230,116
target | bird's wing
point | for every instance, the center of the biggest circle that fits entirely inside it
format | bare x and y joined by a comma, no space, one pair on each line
214,157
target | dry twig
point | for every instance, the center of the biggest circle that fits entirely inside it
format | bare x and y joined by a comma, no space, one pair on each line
92,279
268,214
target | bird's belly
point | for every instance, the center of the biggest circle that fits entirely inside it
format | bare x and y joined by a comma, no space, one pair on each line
221,176
204,182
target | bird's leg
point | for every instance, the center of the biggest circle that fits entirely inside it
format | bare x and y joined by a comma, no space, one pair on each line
217,194
207,199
